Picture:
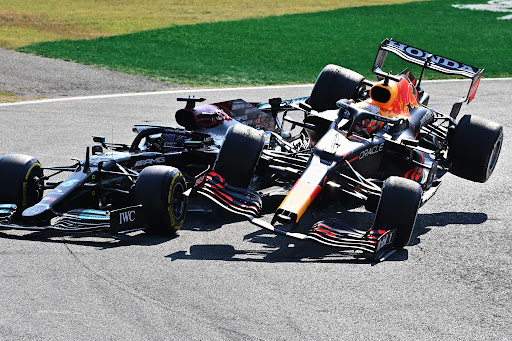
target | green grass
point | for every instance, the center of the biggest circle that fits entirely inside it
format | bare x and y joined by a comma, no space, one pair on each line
294,48
31,21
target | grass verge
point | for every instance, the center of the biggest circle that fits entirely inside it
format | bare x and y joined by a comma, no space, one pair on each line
6,97
30,21
294,48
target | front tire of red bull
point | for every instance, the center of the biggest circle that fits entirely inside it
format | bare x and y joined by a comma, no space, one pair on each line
398,207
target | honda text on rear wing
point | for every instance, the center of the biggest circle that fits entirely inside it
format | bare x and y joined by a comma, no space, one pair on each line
433,62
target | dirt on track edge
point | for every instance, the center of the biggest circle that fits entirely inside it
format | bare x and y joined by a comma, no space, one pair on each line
24,76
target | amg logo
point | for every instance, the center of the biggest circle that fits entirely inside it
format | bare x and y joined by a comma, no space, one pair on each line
386,239
126,217
371,151
149,162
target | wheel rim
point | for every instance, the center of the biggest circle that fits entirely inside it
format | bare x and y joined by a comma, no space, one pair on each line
32,192
177,208
493,160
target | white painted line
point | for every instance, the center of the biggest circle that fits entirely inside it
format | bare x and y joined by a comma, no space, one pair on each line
152,93
185,91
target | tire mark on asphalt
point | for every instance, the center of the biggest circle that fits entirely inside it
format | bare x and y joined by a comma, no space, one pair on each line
236,335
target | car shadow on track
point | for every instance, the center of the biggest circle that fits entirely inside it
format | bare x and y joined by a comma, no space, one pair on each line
98,239
290,253
275,248
425,222
208,222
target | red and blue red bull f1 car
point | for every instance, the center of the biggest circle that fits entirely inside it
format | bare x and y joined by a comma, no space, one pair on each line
379,142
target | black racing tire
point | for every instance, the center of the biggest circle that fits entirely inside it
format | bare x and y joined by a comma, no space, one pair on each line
239,155
398,207
474,148
333,84
19,176
160,191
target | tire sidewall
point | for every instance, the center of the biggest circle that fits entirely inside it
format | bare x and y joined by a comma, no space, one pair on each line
17,180
176,202
239,155
160,189
334,83
474,147
398,208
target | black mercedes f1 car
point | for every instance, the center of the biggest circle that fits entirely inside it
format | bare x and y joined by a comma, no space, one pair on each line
378,142
123,187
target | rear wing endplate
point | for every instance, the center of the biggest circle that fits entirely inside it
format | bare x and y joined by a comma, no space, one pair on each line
433,62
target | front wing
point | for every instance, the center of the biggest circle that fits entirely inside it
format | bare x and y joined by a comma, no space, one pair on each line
373,244
119,221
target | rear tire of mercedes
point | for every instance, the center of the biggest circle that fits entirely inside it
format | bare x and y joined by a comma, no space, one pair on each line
333,84
398,208
19,176
160,191
474,148
239,155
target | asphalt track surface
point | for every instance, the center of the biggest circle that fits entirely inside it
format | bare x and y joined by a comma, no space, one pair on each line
222,278
31,76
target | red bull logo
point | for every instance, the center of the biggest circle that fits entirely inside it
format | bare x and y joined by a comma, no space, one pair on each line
405,99
400,98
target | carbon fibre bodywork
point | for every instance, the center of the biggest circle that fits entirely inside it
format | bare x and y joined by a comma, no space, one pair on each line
99,192
388,132
383,142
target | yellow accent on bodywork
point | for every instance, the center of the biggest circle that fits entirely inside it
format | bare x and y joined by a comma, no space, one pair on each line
24,200
169,203
299,198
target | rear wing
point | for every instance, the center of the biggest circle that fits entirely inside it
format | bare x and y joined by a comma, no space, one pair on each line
433,62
